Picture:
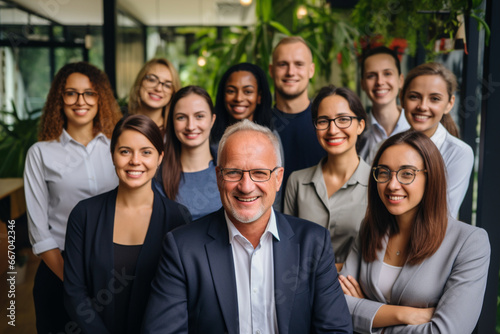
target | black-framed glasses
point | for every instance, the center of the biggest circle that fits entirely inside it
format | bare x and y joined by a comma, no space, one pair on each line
342,122
256,175
70,97
404,175
151,81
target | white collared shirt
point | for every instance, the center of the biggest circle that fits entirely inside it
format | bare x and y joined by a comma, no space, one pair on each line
254,272
376,134
459,161
57,175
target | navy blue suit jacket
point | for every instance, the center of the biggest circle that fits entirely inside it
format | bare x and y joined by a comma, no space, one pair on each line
194,290
89,276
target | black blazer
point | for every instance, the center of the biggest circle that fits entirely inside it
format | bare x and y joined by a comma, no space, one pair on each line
194,290
90,279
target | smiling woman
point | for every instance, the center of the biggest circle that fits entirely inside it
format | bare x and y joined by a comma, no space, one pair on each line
70,162
188,170
414,268
243,93
120,231
333,193
154,86
428,97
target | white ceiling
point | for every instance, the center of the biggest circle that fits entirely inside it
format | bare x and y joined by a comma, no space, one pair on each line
149,12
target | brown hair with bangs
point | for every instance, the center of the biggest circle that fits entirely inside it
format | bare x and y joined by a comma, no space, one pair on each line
53,119
135,102
451,86
429,227
142,124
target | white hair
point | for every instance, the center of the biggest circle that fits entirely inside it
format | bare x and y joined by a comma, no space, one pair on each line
247,125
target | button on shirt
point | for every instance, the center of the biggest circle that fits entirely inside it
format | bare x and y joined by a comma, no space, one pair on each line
57,175
254,272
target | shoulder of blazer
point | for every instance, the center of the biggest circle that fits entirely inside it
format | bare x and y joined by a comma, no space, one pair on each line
291,225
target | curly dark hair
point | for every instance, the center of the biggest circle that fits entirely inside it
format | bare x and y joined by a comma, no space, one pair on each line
53,119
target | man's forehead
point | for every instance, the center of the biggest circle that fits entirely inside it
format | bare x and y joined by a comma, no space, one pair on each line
246,142
299,50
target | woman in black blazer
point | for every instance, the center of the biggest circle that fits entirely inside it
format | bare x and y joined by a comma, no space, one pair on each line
113,241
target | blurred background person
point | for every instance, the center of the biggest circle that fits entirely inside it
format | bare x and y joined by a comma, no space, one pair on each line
381,80
154,86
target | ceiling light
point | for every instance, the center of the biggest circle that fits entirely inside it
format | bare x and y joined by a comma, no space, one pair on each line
201,61
301,12
245,2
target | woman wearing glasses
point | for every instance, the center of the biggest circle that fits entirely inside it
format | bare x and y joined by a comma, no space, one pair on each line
414,268
69,163
153,89
333,193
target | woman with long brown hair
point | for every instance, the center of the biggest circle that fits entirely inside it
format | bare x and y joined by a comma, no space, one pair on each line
69,163
414,268
188,170
427,98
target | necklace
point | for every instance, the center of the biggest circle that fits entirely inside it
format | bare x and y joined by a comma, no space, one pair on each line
398,253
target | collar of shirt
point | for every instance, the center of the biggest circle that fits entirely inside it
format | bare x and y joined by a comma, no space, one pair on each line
271,228
361,175
439,136
401,125
65,138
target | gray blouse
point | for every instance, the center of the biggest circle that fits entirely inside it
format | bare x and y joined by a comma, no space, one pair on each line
306,197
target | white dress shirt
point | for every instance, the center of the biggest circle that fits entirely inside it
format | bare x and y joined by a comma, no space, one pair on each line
459,160
375,134
254,272
57,175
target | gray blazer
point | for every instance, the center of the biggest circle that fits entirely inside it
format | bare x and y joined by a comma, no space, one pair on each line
306,197
453,280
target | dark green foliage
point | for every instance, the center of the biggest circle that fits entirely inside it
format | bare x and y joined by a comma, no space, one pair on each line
16,139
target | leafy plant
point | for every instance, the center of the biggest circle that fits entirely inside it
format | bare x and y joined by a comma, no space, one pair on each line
16,138
416,21
328,34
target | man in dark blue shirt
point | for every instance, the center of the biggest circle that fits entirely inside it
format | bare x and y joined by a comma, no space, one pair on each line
292,67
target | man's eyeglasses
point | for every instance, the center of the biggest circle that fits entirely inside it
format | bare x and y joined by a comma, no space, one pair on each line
342,122
70,97
256,175
151,81
405,175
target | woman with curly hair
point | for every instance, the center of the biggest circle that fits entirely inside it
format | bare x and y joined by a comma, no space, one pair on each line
70,162
154,86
